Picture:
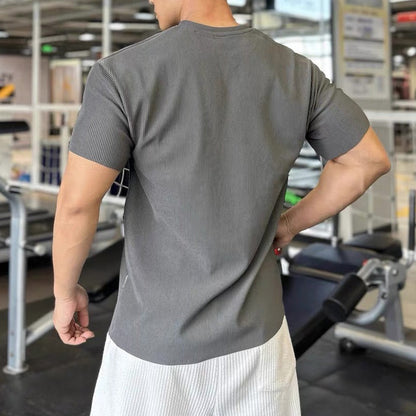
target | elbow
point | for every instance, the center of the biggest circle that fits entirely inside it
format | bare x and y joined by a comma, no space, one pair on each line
379,168
383,166
72,206
387,166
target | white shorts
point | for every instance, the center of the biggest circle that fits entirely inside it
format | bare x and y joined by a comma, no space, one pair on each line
259,381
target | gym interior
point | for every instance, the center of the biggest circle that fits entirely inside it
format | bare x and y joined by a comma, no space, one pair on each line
349,282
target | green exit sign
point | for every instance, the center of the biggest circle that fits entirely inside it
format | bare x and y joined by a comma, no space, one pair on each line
48,48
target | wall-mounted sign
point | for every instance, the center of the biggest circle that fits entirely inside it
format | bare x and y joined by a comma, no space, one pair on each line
363,67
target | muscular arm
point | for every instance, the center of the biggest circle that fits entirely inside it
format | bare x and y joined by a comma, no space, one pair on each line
343,180
83,186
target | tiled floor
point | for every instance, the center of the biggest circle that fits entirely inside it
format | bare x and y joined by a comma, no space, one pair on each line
61,378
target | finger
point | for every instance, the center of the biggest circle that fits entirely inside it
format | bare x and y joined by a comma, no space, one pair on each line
85,332
72,339
83,317
71,335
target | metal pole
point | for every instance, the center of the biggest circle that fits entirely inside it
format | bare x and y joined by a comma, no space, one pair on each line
36,32
16,339
393,199
64,140
106,33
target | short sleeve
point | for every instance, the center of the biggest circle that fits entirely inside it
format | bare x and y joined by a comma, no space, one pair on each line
101,132
336,123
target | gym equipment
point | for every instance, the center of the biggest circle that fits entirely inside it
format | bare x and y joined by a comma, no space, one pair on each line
336,307
381,243
40,230
306,170
315,271
39,235
18,335
15,126
353,335
5,214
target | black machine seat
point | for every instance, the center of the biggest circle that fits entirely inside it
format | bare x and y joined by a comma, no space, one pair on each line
303,296
100,274
323,260
382,243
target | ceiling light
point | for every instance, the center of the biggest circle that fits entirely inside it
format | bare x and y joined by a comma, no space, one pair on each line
86,37
144,16
398,59
117,26
411,51
3,34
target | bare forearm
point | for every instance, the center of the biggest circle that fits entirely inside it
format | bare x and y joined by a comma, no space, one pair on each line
338,187
72,238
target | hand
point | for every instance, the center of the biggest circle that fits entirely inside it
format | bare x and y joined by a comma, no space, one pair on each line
71,332
283,234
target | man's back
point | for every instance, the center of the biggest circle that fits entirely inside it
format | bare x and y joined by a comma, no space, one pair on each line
212,119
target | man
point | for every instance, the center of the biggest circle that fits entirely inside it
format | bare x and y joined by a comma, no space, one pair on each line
211,116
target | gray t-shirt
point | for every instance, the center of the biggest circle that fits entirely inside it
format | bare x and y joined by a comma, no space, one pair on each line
211,120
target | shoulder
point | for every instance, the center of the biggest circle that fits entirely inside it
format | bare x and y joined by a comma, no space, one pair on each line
284,51
131,51
284,61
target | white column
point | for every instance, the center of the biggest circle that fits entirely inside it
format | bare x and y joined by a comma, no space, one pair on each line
412,76
36,139
106,32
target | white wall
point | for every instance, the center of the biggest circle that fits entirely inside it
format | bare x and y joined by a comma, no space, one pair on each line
19,68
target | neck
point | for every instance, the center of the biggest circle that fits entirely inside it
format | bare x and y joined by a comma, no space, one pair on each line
210,13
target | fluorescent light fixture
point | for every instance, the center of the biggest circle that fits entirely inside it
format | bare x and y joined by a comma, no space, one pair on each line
237,3
144,16
88,62
117,26
87,37
411,51
78,54
3,34
242,19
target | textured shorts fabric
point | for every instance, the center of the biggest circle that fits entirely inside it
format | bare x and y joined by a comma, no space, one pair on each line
259,381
